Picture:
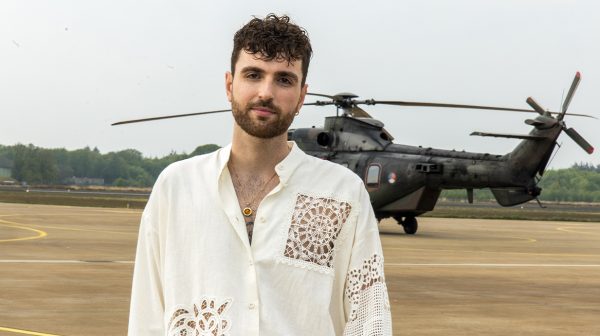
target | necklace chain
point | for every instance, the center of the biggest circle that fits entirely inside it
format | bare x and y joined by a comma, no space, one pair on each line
247,211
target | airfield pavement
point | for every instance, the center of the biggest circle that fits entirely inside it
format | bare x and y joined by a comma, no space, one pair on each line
67,271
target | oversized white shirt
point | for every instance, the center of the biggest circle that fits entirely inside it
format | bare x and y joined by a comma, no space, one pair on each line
315,266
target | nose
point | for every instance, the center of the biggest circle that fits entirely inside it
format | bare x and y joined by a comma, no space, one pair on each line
265,90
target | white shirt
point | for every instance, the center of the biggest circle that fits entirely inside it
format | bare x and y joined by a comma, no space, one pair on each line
315,266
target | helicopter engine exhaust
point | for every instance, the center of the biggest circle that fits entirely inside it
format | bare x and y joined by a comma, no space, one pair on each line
325,139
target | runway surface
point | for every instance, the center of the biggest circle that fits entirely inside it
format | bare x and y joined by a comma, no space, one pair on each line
67,271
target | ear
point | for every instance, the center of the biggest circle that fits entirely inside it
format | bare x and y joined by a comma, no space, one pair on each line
303,92
229,85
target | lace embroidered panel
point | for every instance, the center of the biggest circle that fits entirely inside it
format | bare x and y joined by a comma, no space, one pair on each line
207,318
369,302
316,223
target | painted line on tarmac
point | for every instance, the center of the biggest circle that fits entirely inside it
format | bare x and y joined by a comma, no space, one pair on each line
494,252
529,240
56,227
83,230
127,212
569,229
39,233
81,213
62,261
25,332
488,265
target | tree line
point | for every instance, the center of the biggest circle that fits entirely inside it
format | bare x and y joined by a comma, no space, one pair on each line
36,165
580,183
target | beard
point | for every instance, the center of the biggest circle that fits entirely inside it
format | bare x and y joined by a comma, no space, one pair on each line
262,128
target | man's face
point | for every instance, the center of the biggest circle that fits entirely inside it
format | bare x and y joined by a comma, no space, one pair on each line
265,95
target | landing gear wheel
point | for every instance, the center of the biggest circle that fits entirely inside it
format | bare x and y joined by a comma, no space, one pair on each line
410,225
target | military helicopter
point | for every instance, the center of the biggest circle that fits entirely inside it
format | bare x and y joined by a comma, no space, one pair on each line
406,181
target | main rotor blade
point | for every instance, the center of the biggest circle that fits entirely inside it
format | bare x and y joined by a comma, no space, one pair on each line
476,107
320,103
537,107
579,140
574,85
320,95
167,117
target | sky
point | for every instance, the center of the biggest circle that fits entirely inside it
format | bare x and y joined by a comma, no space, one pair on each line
68,69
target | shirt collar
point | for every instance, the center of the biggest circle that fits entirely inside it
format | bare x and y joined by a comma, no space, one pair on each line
290,163
223,158
284,169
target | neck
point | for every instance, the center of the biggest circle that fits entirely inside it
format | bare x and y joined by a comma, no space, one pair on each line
252,155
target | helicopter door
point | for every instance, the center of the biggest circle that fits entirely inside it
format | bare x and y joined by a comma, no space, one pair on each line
373,176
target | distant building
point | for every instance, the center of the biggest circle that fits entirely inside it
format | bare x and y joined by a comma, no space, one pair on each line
6,166
84,181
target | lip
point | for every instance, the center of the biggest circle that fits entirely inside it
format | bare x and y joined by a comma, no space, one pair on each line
263,112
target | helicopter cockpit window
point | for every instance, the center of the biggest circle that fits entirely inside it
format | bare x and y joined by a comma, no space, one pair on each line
373,173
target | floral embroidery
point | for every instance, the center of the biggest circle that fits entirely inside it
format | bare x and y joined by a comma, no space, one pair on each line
369,303
204,319
316,223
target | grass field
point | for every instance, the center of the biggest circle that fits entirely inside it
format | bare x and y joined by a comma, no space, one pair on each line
584,212
529,211
74,199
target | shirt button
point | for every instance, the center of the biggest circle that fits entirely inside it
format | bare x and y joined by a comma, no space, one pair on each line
262,219
251,306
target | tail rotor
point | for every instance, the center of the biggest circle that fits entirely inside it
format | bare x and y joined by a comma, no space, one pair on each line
567,101
572,133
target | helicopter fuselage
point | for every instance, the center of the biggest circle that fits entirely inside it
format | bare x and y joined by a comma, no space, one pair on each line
406,181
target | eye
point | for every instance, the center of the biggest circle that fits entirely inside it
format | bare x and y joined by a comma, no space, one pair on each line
252,75
286,81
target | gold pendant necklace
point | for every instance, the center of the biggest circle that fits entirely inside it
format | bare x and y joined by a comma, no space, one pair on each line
247,210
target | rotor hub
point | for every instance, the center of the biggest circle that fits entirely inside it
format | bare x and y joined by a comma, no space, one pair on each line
344,100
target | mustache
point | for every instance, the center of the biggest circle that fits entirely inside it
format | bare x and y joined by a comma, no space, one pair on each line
263,103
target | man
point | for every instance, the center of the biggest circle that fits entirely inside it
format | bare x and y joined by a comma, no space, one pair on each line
259,238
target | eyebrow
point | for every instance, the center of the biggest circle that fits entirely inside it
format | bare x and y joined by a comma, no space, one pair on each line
278,73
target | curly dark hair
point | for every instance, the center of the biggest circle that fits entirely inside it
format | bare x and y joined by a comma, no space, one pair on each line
274,38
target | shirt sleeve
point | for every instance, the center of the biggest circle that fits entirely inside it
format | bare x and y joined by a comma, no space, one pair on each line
146,315
366,301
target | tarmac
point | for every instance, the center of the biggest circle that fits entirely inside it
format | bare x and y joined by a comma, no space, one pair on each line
66,271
